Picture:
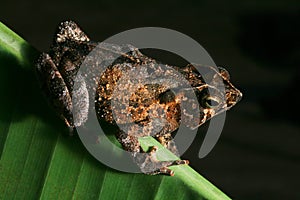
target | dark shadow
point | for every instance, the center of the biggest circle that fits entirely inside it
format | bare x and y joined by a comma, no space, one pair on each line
21,95
20,89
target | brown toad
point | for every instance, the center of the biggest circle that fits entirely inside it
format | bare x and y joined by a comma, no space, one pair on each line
125,99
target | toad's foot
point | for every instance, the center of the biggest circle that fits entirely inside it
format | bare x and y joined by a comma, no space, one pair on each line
153,166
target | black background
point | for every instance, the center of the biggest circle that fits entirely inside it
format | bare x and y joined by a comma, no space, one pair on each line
258,154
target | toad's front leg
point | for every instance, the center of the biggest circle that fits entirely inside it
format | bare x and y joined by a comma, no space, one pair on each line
151,165
147,161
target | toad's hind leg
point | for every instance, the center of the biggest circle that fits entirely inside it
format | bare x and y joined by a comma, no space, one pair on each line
55,88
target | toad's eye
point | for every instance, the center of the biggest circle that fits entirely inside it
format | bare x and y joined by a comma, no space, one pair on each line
210,102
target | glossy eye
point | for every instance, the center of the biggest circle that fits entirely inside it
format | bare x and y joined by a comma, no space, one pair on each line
211,102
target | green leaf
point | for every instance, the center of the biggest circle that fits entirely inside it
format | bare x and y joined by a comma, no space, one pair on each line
38,160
